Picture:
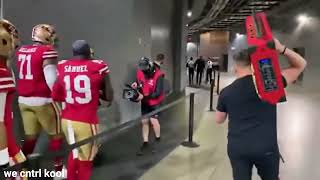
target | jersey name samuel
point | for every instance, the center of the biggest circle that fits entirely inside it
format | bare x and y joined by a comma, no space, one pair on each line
76,68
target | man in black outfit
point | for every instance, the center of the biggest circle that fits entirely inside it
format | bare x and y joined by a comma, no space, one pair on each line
252,136
159,60
200,66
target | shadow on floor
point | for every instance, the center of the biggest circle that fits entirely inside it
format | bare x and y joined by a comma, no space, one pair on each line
117,159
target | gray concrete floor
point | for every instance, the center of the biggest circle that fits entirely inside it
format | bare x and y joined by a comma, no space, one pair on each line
118,160
298,131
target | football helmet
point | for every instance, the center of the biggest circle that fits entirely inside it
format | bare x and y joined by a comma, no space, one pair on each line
44,33
9,38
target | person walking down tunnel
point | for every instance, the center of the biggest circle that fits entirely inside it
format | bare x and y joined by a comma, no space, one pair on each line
159,60
190,66
151,94
37,73
79,117
252,133
209,71
200,65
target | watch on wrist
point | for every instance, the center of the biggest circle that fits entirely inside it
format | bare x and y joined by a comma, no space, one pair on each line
284,50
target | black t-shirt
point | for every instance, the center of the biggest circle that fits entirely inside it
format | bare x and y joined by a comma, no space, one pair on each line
252,122
200,64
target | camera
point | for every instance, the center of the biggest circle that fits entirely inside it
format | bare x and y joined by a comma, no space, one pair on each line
130,94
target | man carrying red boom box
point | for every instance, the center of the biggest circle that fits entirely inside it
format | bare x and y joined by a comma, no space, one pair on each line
250,101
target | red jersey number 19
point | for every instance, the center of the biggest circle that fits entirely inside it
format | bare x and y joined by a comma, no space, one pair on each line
25,75
85,89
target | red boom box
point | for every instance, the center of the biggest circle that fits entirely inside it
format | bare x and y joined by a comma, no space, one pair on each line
264,60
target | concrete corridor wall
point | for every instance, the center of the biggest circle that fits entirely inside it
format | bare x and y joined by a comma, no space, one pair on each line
120,32
294,33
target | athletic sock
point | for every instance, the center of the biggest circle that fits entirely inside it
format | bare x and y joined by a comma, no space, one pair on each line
13,149
54,146
28,146
4,157
85,170
17,158
72,168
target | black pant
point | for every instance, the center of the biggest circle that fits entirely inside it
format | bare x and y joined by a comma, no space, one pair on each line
199,76
191,75
267,165
209,75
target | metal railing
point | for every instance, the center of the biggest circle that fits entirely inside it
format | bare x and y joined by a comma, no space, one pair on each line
34,160
213,83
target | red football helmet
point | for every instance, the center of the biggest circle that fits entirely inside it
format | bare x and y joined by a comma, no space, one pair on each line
44,33
9,38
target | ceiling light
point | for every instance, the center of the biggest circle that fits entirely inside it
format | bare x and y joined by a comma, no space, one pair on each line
189,13
303,18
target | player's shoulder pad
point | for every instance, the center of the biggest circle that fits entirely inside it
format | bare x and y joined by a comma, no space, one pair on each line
46,47
49,46
3,70
101,65
98,61
62,62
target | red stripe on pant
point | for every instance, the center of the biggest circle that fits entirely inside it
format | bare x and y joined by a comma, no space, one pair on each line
54,146
72,167
85,170
13,148
28,146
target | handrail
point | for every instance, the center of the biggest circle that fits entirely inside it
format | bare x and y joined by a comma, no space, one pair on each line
106,134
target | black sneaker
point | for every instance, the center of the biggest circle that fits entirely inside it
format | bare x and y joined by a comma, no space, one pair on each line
143,149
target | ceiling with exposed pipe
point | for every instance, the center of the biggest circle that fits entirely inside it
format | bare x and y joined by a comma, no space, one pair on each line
230,14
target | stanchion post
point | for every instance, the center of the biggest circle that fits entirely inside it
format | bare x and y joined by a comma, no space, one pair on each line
211,96
33,164
1,9
191,117
190,142
218,83
214,78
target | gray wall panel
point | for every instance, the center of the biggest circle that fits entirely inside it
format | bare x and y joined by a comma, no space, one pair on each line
119,31
161,33
294,34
